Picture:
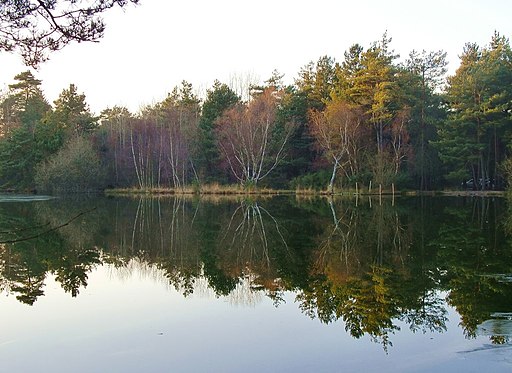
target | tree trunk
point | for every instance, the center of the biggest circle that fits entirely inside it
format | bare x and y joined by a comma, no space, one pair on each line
333,176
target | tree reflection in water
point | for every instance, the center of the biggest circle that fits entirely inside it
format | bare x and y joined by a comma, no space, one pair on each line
371,265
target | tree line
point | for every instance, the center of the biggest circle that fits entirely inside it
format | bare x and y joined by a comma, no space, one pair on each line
365,119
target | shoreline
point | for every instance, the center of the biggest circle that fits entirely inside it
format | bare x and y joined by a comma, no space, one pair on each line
234,191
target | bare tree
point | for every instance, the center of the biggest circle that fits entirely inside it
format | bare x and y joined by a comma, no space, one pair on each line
241,84
337,131
400,138
180,120
34,27
250,139
141,148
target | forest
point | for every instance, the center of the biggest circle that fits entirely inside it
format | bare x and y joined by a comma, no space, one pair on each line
366,119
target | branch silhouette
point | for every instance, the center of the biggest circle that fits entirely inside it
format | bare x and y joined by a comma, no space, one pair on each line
49,230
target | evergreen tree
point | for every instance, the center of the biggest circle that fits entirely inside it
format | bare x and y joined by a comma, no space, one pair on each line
421,81
472,142
24,104
369,80
218,99
72,113
22,111
316,81
300,151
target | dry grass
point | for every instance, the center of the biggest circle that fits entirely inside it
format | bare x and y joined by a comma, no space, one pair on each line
210,189
237,190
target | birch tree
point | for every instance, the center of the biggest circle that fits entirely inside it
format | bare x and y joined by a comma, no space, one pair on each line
251,142
400,138
180,119
338,131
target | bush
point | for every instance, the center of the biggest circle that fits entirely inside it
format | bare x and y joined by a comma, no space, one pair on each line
317,180
75,168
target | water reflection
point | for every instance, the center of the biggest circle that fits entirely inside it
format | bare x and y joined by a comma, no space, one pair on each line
372,265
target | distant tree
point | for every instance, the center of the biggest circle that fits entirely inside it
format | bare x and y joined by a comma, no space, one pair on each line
399,139
161,140
112,139
27,86
72,113
218,99
144,149
20,149
24,103
251,143
374,87
422,82
473,141
300,150
179,114
369,79
338,132
34,28
75,168
17,159
347,70
317,80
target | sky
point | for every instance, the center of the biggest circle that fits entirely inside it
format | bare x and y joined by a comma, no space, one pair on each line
150,48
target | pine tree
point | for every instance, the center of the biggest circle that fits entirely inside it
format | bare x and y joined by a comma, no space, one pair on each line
472,142
218,99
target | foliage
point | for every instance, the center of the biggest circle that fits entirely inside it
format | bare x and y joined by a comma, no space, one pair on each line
72,113
314,180
422,80
338,132
17,159
22,145
218,99
473,142
111,140
251,141
33,28
367,118
74,168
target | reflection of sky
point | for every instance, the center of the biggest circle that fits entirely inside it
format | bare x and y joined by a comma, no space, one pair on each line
128,322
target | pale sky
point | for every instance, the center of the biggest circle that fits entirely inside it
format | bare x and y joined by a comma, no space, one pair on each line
150,48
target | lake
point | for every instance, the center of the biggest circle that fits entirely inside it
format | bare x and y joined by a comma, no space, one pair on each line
281,284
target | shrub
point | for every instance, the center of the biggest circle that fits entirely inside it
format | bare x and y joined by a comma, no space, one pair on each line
74,168
317,180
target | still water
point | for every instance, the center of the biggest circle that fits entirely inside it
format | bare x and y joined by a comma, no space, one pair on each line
262,285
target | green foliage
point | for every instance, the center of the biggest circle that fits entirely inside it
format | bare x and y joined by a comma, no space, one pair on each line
300,151
24,104
506,170
17,159
75,168
72,113
317,81
411,129
472,143
314,180
218,99
421,80
21,148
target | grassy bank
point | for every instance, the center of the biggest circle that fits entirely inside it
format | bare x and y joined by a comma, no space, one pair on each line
214,189
237,190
